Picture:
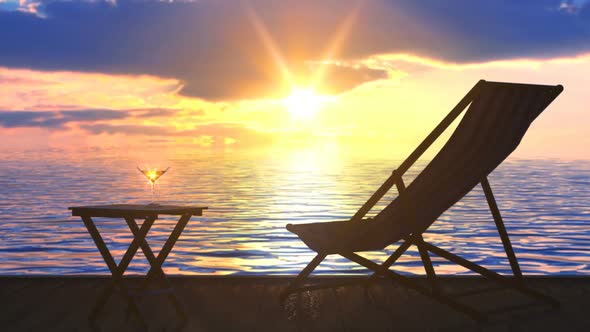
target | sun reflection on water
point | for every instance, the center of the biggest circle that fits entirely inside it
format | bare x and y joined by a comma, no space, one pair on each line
253,197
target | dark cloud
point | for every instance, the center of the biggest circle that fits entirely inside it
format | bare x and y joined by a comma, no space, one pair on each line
58,119
344,78
105,128
215,48
58,107
160,141
158,112
54,119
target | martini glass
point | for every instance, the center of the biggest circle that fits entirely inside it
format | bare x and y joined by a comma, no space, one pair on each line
153,174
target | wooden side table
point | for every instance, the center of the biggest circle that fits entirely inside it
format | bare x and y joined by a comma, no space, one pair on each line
130,212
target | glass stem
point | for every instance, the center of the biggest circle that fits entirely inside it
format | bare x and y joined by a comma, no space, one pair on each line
153,192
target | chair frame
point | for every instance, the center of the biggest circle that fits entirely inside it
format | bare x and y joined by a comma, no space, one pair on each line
514,282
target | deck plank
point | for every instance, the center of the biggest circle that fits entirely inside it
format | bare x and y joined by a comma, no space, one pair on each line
61,304
251,304
25,302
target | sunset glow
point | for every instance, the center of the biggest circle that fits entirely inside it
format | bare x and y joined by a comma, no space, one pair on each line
304,103
298,74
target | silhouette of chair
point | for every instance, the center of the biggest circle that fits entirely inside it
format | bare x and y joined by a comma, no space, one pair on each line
493,125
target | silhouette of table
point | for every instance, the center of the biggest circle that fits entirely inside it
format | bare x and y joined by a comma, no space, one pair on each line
130,212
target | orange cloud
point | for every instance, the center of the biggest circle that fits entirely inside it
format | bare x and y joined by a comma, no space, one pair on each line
395,110
391,61
59,90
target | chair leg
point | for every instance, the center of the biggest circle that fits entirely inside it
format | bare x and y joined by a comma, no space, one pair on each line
427,262
492,275
295,285
386,265
392,259
501,228
302,276
474,314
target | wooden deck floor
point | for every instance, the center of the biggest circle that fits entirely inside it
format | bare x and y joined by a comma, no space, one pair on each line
251,304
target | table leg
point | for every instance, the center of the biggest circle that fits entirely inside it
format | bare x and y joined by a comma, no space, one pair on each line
167,248
156,271
117,271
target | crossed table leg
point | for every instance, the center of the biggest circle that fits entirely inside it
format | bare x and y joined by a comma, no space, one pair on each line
156,262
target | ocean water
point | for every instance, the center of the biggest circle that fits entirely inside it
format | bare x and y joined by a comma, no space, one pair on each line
252,196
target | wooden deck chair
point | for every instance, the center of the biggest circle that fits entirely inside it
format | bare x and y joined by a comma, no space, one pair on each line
497,118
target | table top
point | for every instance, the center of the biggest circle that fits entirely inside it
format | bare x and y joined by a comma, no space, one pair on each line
135,210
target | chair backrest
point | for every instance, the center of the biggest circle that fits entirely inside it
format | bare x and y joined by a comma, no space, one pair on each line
492,127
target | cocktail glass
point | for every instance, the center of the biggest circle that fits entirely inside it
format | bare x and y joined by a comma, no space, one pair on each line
153,174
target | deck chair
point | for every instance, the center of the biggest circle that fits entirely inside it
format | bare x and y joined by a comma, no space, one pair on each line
497,118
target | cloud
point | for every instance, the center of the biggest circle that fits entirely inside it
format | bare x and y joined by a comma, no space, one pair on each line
344,77
572,6
53,119
105,128
390,115
59,119
25,89
24,6
160,112
408,63
215,133
223,49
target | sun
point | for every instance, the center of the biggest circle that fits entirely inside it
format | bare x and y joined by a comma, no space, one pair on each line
304,103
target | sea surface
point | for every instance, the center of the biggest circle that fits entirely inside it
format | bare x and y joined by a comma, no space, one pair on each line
252,196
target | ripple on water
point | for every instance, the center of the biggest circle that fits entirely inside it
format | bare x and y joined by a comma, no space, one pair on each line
251,198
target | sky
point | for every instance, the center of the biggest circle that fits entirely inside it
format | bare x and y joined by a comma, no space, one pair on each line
364,75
